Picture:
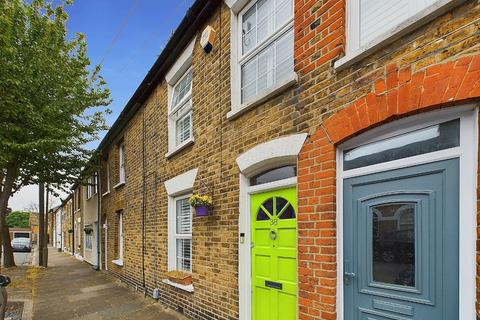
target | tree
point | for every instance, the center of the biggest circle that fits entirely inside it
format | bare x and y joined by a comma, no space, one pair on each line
18,219
52,101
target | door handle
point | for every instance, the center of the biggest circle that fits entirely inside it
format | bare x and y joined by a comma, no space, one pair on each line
348,276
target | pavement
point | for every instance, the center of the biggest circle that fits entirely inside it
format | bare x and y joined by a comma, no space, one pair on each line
70,289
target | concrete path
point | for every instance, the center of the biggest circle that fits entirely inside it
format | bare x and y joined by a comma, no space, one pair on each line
70,289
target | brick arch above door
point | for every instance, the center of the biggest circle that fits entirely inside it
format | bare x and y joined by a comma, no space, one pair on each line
400,93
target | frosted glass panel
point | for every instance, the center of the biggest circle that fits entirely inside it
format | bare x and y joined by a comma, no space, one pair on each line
439,137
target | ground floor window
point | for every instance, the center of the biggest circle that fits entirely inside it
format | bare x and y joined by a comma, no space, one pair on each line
181,235
88,240
120,236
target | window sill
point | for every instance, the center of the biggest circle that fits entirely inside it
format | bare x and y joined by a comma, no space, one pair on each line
407,26
188,288
260,98
118,185
180,147
118,262
106,193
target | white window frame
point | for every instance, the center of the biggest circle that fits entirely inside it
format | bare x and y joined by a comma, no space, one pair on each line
237,59
466,152
173,119
121,164
355,52
119,260
177,72
173,236
178,187
107,178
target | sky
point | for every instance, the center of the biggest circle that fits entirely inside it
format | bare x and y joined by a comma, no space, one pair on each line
125,37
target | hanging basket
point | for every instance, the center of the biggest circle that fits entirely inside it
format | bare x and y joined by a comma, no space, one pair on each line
201,211
201,203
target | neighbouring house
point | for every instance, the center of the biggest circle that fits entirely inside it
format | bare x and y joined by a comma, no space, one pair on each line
33,221
338,141
90,219
67,224
78,222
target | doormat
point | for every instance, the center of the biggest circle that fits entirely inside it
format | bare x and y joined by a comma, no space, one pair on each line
14,310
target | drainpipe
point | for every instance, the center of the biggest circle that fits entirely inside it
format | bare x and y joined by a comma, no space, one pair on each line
73,223
99,203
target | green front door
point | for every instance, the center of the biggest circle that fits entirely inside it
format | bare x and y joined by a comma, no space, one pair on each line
274,255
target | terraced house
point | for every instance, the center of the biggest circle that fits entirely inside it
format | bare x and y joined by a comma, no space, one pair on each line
338,141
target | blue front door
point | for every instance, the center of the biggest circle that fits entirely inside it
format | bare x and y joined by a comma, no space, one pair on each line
401,244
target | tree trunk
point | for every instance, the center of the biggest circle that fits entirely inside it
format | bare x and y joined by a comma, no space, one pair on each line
9,180
41,222
8,259
47,238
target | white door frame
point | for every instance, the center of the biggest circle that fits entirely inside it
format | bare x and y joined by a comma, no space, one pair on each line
278,152
466,152
245,256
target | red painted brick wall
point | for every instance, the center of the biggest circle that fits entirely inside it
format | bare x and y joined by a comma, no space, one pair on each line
398,94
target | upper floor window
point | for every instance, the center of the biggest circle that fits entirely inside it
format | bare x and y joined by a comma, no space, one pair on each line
121,163
181,109
91,185
180,83
265,50
373,23
107,177
77,198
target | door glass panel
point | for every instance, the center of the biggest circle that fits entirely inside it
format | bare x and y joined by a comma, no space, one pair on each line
393,241
438,137
277,207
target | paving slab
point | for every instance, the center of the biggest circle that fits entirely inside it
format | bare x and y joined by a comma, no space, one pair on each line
70,289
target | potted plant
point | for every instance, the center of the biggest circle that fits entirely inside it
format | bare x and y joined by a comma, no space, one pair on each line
201,203
180,277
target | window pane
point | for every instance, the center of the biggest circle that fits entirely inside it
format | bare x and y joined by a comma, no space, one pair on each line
262,20
183,128
443,136
284,53
184,254
249,77
393,240
274,175
283,12
184,217
265,18
265,69
249,29
182,89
